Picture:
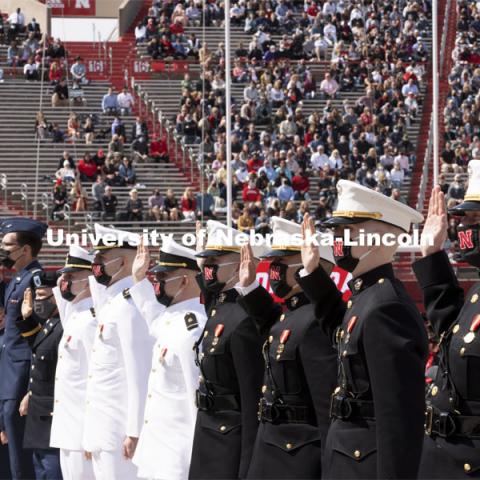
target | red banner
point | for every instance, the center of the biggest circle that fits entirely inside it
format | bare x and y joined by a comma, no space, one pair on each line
339,276
72,8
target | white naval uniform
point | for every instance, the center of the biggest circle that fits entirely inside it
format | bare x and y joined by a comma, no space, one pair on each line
79,325
118,376
165,445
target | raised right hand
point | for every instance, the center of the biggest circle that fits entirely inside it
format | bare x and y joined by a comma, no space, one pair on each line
310,252
141,263
434,232
247,273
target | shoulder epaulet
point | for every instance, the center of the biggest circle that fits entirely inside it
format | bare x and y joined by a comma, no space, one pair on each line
126,293
191,321
92,311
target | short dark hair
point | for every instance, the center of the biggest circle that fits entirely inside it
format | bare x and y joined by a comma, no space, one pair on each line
27,238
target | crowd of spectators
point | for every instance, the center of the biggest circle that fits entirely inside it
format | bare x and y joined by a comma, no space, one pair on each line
374,50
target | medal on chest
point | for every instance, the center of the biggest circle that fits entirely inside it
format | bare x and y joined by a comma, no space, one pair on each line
218,333
284,336
470,336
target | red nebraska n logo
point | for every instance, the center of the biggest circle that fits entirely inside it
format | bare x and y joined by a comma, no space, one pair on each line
274,273
465,239
338,248
64,286
208,273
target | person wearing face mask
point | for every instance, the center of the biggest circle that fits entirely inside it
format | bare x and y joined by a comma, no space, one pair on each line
175,318
377,408
229,356
40,325
72,296
120,360
451,446
20,246
300,363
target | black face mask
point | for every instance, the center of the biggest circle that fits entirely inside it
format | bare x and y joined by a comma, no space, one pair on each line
277,273
161,294
469,243
44,309
66,290
343,255
101,276
210,278
5,259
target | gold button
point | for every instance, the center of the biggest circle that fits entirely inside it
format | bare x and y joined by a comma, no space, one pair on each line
149,395
357,454
278,357
223,428
289,446
56,401
456,328
93,350
434,391
474,300
153,370
146,421
31,380
381,280
205,335
282,317
213,312
43,358
56,379
344,353
349,304
462,351
212,350
89,376
264,389
33,367
270,339
467,467
337,390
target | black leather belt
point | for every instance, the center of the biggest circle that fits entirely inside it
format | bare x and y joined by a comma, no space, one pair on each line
208,402
346,408
281,413
445,424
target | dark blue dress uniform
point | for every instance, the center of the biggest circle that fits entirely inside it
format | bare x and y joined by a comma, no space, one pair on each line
43,340
378,406
14,372
452,443
231,367
300,374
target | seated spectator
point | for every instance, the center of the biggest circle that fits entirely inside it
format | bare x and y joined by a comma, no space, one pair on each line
301,185
245,222
13,55
189,205
205,205
66,173
30,70
140,33
156,206
110,172
60,199
58,135
140,149
78,195
89,130
139,129
127,172
110,103
109,204
116,144
134,207
396,175
262,223
41,126
125,102
79,72
87,168
171,206
66,156
456,190
33,28
118,128
328,87
16,24
55,73
285,192
73,126
250,192
159,150
60,94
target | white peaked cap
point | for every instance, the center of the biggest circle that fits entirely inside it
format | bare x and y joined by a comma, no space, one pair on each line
357,204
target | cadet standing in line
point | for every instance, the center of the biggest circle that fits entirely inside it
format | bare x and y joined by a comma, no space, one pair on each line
231,366
21,244
120,360
175,317
452,442
79,324
378,405
300,363
42,328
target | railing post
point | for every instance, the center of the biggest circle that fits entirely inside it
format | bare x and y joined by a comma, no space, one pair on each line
99,46
66,211
4,187
153,115
24,195
110,54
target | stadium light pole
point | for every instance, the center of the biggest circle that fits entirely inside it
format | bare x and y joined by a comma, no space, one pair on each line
228,113
435,87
